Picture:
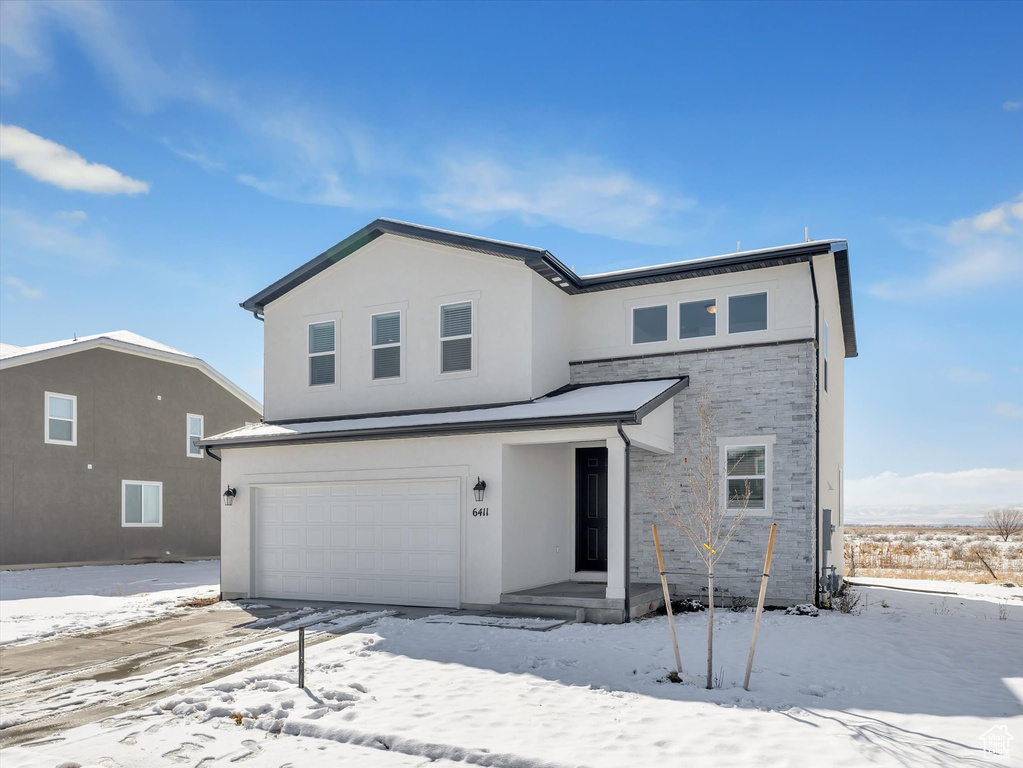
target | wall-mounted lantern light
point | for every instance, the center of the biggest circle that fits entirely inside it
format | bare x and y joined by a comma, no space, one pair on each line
229,495
479,489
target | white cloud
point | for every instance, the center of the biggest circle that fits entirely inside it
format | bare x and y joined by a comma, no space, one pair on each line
990,487
52,163
24,290
970,253
582,194
1009,410
963,375
1012,106
27,236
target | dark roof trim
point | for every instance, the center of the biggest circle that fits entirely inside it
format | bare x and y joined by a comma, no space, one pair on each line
845,300
551,269
465,428
684,352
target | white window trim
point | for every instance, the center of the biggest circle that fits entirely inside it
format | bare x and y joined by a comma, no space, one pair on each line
767,312
441,339
767,441
124,487
310,355
400,345
73,419
678,325
667,328
188,434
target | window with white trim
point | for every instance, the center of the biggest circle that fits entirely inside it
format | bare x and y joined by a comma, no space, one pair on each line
746,468
697,318
825,366
649,324
456,326
386,345
141,504
61,419
194,426
747,313
322,357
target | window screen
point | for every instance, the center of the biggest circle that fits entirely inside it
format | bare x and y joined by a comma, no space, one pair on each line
386,343
747,313
321,353
456,337
697,318
746,468
649,324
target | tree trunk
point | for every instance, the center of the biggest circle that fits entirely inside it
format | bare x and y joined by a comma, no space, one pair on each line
710,625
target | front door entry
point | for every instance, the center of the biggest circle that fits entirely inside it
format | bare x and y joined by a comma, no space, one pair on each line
591,509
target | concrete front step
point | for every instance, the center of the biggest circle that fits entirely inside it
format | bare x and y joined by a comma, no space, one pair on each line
578,602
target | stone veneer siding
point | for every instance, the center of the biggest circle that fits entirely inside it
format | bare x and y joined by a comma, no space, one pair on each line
754,390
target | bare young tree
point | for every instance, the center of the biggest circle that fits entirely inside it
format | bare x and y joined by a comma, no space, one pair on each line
694,508
1005,522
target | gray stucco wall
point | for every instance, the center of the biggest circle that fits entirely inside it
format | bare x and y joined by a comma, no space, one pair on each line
54,509
755,390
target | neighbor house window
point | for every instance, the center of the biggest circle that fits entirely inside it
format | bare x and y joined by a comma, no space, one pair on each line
456,337
747,313
195,428
141,504
825,367
746,469
321,353
697,318
61,419
649,324
386,344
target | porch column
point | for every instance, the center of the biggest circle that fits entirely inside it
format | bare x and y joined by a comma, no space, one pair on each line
615,519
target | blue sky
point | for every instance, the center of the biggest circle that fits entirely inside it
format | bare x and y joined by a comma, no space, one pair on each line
242,139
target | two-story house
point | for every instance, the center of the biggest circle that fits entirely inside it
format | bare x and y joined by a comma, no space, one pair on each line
457,421
99,453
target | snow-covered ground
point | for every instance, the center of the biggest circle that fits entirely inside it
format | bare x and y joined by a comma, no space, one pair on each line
46,602
913,679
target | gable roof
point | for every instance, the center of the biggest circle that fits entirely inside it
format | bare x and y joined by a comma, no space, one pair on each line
120,341
545,264
589,405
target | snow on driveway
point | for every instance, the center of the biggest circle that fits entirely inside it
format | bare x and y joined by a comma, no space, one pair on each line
905,682
45,602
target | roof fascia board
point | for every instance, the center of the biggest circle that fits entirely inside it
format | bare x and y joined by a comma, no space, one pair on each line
133,349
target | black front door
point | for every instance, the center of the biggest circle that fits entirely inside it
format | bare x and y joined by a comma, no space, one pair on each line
591,509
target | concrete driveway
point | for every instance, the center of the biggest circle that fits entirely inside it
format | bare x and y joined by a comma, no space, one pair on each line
66,682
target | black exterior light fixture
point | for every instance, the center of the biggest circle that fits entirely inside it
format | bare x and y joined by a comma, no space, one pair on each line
479,489
229,495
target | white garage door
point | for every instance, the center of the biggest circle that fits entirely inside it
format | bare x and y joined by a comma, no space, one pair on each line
367,542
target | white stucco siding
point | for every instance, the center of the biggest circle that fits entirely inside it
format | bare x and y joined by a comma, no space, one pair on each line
832,411
601,321
399,274
464,457
536,526
551,336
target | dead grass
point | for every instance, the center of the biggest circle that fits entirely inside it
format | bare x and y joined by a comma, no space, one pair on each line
922,552
201,602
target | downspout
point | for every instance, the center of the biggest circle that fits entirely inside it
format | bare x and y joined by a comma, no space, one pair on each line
220,565
255,314
816,439
628,515
210,453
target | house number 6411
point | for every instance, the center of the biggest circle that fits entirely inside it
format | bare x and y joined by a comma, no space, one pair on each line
480,511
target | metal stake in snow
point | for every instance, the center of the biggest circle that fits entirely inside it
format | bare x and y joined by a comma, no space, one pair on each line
760,604
301,657
667,599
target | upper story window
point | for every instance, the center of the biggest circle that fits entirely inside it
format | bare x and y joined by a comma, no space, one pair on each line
322,357
194,424
697,318
456,337
61,419
649,324
141,504
747,313
386,344
825,366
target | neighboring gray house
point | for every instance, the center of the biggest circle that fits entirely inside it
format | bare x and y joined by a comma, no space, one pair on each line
407,367
99,459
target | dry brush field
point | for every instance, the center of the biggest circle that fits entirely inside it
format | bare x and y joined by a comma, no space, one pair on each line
930,552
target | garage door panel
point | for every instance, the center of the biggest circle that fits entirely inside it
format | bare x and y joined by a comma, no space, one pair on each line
377,542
